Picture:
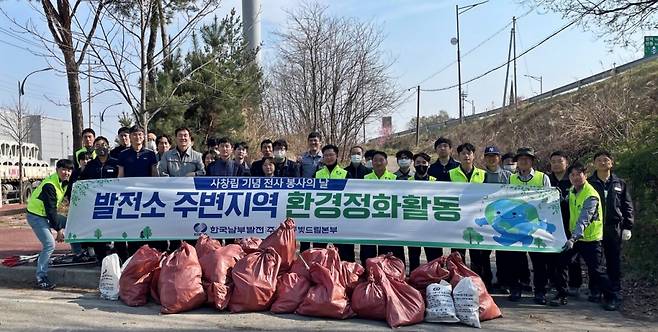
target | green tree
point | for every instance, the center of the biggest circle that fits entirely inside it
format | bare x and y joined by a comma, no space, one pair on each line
124,235
98,233
539,243
216,80
146,233
471,235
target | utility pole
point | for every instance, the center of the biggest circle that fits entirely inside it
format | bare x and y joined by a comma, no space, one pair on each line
89,87
516,90
509,58
417,115
457,41
459,70
538,79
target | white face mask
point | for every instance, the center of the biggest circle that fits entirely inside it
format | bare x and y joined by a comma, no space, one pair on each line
356,159
369,163
279,154
404,163
511,168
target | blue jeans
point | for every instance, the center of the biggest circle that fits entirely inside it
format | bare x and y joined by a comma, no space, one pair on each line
41,229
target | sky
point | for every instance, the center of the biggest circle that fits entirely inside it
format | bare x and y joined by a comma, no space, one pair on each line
417,42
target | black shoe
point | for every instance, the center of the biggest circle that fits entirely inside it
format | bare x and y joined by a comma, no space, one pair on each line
45,284
540,299
515,296
612,305
558,300
594,298
574,292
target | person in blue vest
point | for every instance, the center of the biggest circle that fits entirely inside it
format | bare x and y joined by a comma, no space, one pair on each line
421,166
42,216
618,219
586,226
542,263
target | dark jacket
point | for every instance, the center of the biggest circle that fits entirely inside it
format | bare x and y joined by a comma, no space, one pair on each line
48,196
257,168
97,170
357,172
440,172
221,167
618,207
287,169
114,153
563,185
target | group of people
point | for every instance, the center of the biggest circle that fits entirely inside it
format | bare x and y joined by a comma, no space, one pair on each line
597,210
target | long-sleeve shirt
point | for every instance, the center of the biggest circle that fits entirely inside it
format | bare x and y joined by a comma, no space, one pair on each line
440,171
587,214
48,196
222,167
498,176
176,164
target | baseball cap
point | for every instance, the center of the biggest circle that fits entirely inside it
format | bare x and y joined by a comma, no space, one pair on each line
491,150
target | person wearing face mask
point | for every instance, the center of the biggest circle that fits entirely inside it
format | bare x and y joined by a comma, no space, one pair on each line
285,167
368,155
421,164
101,167
405,171
508,162
150,142
356,169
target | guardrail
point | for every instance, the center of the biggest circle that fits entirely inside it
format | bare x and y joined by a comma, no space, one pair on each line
546,95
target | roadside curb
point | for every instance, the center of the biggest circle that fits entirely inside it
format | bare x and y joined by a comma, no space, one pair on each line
75,277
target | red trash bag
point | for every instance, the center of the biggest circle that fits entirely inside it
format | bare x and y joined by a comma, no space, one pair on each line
369,297
250,244
291,289
254,281
392,266
154,289
216,266
429,273
327,298
180,281
284,241
135,280
206,244
326,257
404,304
488,308
350,275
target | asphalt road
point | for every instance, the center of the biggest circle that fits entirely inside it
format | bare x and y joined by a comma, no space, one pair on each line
79,310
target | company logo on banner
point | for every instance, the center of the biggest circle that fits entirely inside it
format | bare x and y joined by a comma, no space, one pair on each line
416,213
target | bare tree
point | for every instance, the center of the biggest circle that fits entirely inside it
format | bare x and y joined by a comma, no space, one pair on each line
15,125
128,52
72,38
617,20
331,76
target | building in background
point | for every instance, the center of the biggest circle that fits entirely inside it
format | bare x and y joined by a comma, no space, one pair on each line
52,136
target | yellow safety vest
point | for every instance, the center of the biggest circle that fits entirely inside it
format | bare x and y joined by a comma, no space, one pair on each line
35,205
82,150
457,175
593,232
337,173
412,178
386,176
537,180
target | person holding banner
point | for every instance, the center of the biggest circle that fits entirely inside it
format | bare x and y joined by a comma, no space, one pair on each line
542,263
421,165
42,216
379,172
331,170
466,172
586,226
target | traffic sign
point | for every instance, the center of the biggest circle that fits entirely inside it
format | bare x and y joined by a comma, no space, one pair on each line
650,45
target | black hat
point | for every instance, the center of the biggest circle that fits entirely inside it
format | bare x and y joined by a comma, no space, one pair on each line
525,151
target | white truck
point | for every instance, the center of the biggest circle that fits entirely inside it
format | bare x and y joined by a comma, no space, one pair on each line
34,170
